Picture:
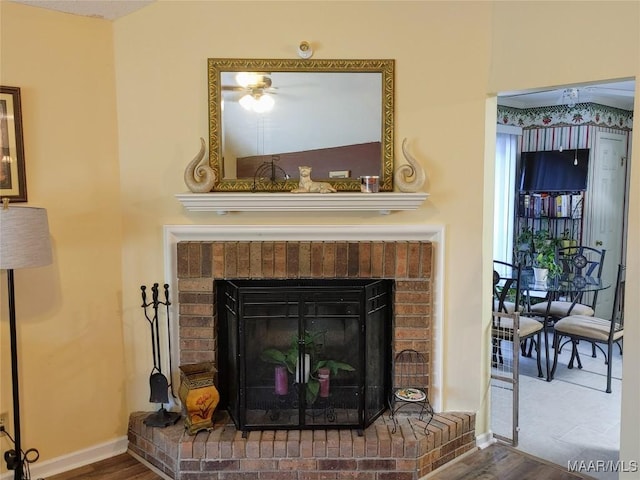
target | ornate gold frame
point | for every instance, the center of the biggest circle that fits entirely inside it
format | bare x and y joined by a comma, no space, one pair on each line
218,65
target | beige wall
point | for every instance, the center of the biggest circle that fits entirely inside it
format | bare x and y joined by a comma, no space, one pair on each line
449,55
68,314
162,104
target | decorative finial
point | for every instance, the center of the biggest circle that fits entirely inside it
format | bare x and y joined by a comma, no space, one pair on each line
199,178
409,178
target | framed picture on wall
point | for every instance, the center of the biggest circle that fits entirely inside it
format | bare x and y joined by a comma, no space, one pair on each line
13,182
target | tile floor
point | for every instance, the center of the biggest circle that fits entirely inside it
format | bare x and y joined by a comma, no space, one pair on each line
570,418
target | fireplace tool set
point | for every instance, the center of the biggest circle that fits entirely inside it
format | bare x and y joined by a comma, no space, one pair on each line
158,383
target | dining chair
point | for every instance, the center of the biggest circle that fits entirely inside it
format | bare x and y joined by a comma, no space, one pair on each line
507,299
577,260
598,331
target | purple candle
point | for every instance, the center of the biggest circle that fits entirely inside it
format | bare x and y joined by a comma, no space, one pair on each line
282,381
323,379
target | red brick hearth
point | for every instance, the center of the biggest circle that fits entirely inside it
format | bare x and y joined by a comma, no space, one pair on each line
222,454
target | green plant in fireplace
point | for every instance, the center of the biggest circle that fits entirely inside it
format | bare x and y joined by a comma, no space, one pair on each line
313,349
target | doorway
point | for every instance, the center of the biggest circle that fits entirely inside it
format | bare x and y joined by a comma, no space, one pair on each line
604,212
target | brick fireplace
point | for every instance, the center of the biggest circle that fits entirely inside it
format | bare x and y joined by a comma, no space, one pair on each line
197,256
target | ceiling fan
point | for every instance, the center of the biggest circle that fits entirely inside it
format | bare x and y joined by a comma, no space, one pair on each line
256,88
250,82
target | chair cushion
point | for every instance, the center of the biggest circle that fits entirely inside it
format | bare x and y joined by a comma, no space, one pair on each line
561,309
528,326
588,327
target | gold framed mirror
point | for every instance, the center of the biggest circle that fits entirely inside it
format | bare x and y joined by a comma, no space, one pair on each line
267,117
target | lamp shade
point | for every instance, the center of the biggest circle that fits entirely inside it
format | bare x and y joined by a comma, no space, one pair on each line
24,238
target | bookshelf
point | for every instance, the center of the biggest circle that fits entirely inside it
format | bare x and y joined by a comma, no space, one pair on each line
560,213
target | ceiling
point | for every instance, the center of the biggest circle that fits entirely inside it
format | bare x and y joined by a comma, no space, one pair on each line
614,94
107,9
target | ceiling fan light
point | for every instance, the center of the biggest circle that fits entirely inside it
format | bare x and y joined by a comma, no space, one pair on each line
264,104
245,79
247,102
570,96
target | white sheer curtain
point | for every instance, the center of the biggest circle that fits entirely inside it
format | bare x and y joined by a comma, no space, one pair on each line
504,198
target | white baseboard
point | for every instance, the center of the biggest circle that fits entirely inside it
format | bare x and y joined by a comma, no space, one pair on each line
485,439
74,460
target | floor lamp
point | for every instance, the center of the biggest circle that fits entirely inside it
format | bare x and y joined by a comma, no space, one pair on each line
24,243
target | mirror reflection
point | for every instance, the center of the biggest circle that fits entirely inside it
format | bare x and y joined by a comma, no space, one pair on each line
268,117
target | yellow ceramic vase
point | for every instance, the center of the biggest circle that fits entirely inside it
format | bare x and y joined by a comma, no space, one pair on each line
199,395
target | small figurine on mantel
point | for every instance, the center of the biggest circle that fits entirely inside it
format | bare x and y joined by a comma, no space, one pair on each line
306,185
199,176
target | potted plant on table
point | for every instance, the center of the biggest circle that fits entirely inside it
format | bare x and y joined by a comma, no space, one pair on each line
545,260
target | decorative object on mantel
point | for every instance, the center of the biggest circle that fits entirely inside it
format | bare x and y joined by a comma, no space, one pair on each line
158,382
409,178
370,184
199,176
269,170
199,395
306,185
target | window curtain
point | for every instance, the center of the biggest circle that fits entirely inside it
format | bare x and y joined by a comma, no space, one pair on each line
504,198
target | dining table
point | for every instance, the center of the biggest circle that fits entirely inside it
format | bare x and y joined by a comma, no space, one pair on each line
566,286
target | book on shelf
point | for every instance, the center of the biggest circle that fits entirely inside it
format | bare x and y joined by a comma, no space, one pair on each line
576,205
550,205
562,206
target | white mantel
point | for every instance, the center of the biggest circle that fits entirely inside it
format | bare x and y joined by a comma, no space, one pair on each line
223,202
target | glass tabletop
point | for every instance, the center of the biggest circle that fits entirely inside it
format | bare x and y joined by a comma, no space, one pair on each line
567,282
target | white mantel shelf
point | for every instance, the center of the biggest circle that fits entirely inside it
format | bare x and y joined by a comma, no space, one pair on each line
224,202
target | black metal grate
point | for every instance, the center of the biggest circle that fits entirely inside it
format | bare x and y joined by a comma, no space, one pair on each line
304,353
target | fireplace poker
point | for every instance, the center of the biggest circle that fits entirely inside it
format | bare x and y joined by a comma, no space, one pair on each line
158,383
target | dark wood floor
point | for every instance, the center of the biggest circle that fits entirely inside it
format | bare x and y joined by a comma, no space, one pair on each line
497,462
120,467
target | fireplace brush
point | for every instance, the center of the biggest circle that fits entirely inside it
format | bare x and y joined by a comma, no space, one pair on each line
158,383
